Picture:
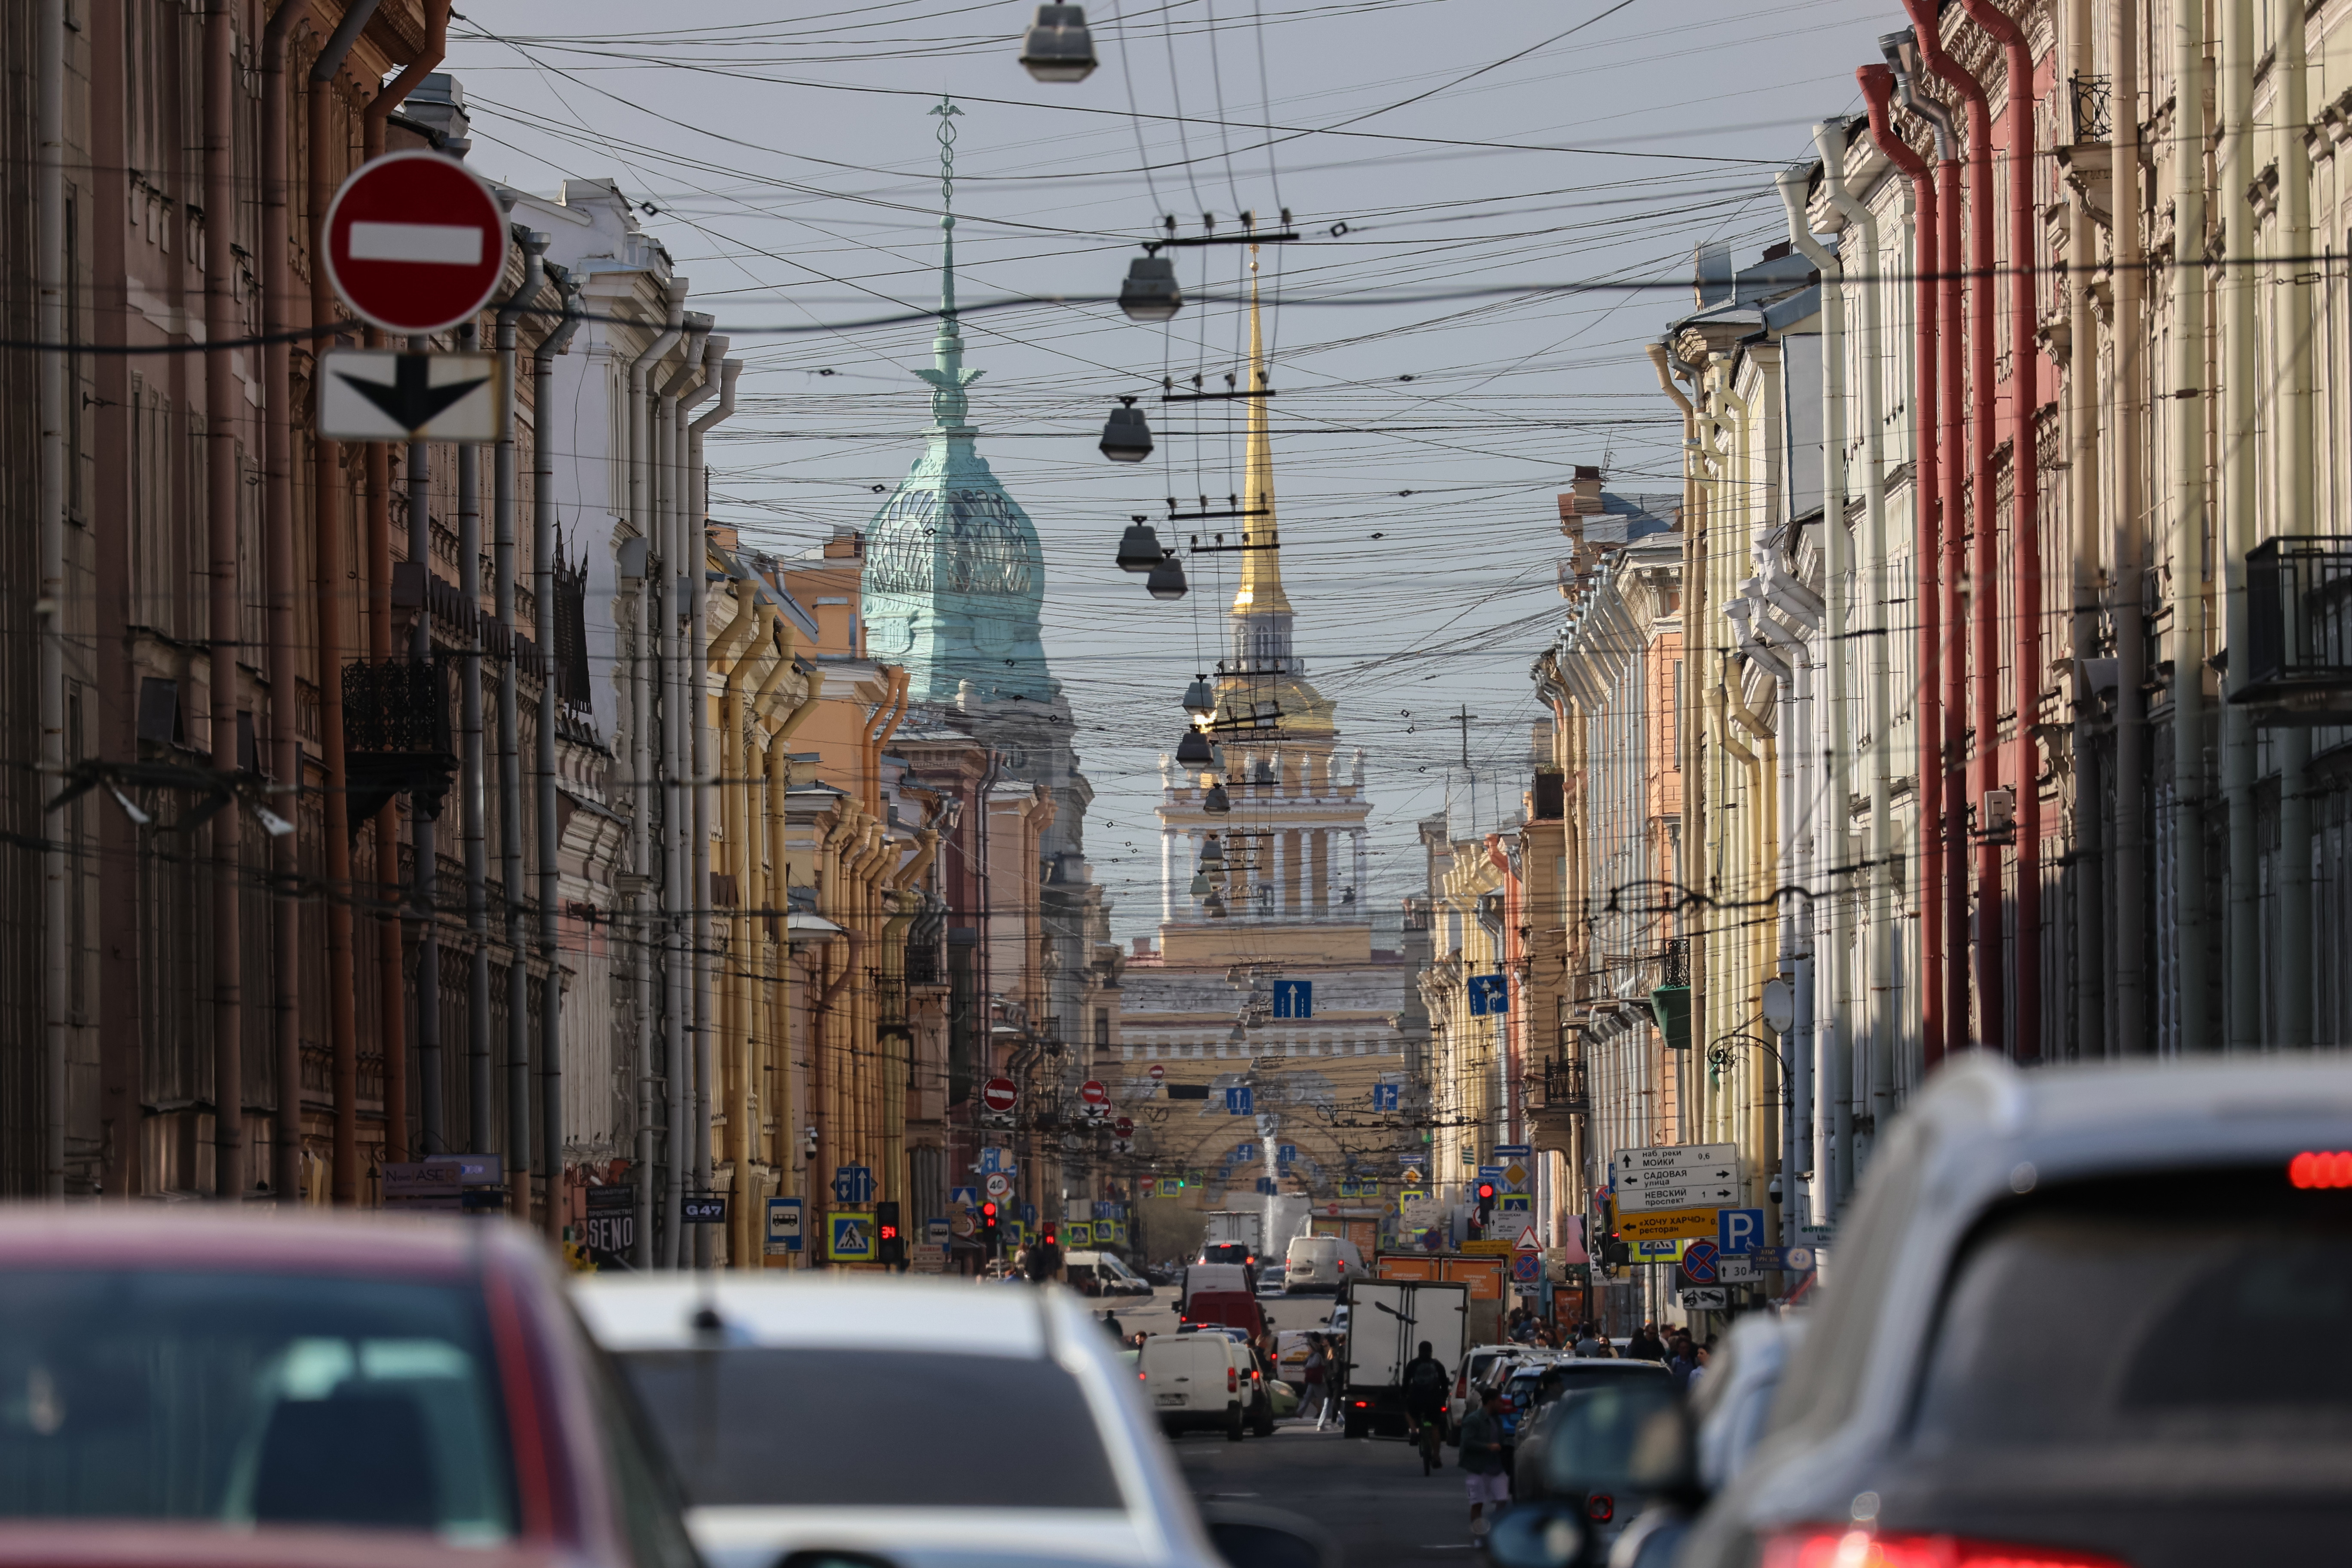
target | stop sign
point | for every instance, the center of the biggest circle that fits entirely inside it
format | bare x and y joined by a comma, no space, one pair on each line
1124,1127
415,242
1093,1092
1158,1072
998,1094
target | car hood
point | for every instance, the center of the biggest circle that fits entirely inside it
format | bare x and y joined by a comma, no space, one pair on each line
913,1536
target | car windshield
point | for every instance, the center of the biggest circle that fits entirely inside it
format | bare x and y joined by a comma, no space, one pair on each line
251,1398
1588,1441
810,1427
2165,1312
1226,1252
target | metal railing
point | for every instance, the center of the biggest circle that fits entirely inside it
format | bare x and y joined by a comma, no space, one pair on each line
2093,98
1564,1087
1674,962
400,705
2298,618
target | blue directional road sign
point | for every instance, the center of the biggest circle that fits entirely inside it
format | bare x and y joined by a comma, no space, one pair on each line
1699,1262
1029,1214
1385,1096
1784,1260
968,1196
1265,1184
1237,1100
1244,1153
1491,1174
993,1159
1489,994
853,1184
784,1224
1739,1231
1285,1152
1293,998
1509,1151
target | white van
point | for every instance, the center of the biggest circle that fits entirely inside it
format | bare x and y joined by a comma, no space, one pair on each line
1321,1263
1196,1380
1102,1274
1201,1277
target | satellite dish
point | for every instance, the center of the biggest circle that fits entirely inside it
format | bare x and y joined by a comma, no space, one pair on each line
1780,1003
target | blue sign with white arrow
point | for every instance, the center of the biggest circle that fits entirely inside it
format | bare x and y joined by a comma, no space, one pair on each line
1489,994
853,1184
1385,1096
1237,1100
1293,998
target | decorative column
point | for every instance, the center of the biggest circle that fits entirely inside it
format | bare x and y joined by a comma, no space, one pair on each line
1320,880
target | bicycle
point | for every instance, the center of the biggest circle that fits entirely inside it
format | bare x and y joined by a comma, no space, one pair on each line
1429,1434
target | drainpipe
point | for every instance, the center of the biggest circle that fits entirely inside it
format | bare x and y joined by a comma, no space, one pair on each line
2084,500
719,376
644,675
765,786
1836,1068
2191,507
220,485
691,840
2295,513
738,645
473,791
551,887
51,327
336,583
502,570
1882,913
392,986
2130,553
2025,513
1983,607
1878,86
278,557
2242,921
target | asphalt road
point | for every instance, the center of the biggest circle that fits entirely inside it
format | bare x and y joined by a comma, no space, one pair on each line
1369,1492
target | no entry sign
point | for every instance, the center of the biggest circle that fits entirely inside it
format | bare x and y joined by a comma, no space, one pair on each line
1093,1092
1124,1127
415,242
998,1094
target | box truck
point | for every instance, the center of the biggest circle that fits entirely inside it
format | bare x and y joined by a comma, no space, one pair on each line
1387,1321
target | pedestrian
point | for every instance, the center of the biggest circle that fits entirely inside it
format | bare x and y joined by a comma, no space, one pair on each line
1317,1373
1482,1461
1110,1321
1699,1359
1646,1345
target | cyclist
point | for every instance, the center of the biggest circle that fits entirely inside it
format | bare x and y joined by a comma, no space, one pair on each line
1425,1381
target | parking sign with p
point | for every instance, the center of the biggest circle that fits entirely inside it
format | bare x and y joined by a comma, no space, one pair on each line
1740,1231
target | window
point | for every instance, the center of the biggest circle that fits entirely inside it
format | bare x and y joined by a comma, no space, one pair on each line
717,1413
251,1398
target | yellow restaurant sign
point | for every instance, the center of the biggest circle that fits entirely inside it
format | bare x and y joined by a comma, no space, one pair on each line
1665,1222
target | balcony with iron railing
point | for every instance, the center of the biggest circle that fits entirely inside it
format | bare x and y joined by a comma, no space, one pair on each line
396,736
2299,631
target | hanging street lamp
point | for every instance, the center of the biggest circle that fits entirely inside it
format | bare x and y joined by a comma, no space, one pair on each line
1139,548
1200,697
1212,854
1167,579
1201,889
1150,293
1057,47
1127,439
1215,802
1194,753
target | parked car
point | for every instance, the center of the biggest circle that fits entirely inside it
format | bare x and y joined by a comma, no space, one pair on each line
196,1385
1475,1363
1102,1274
1320,1263
1554,1383
867,1415
1586,1473
2079,1315
1233,1309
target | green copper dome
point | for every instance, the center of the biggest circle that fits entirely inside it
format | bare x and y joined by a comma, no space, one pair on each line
955,577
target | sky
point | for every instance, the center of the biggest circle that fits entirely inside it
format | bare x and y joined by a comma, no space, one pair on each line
1496,204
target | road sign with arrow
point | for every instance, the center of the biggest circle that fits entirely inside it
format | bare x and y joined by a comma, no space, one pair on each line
387,394
1681,1176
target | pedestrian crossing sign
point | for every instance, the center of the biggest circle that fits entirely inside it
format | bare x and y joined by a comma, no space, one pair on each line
849,1237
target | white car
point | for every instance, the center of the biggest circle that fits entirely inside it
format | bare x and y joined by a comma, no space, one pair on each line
870,1415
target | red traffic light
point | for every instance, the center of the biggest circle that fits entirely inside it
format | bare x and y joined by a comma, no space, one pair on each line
988,1210
1485,1191
887,1232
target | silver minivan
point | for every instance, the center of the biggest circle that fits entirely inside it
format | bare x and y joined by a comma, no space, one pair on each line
1321,1263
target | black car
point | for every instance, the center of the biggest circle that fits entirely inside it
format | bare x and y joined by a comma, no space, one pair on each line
1556,1380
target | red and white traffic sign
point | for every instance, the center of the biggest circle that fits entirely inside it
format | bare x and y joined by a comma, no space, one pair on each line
1093,1092
1124,1127
415,242
998,1094
1158,1072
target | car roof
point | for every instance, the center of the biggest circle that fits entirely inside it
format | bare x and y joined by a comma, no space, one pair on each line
842,1312
257,1238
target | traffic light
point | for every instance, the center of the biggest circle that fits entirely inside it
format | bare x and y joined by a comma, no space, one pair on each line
1486,1205
889,1241
1616,1252
988,1226
1047,1237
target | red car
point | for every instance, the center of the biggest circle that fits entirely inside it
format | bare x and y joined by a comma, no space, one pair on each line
189,1387
1228,1308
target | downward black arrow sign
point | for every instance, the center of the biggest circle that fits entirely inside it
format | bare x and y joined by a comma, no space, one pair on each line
411,401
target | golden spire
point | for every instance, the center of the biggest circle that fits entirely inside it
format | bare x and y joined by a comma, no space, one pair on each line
1261,589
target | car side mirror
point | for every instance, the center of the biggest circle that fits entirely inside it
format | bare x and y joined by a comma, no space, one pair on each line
1247,1536
1536,1535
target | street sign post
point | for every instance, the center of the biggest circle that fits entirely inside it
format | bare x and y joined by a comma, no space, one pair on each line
1124,1127
1385,1096
852,1184
701,1208
391,394
1093,1092
1527,1240
415,242
849,1238
784,1227
1293,998
999,1094
1489,994
1238,1101
997,1185
963,1197
1706,1298
1157,1072
1741,1231
1668,1222
1678,1176
1699,1262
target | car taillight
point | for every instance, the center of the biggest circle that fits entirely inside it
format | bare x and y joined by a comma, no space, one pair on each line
1461,1384
1601,1508
1144,1375
1823,1546
1363,1405
1232,1381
